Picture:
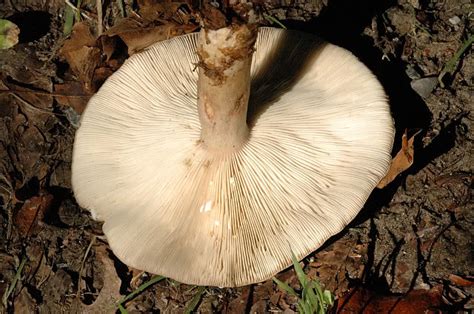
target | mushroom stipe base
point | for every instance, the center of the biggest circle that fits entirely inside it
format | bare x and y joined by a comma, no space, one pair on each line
319,139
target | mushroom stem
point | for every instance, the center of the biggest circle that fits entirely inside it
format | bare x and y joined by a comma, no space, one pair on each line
225,57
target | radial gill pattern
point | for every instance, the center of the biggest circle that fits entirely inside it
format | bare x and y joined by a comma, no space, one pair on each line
321,135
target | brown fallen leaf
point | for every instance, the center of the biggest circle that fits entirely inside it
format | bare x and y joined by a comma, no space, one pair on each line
178,11
82,54
21,73
24,302
94,60
401,162
29,97
460,281
81,36
415,301
110,292
136,280
138,33
153,10
336,265
74,95
32,211
109,46
100,75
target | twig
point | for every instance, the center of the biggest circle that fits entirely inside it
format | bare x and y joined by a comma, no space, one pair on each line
76,10
9,191
273,20
82,265
135,278
30,106
99,16
122,8
14,91
8,201
87,17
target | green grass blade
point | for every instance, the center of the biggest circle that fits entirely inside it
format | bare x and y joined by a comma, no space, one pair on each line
78,11
140,289
273,20
451,65
328,298
312,296
312,299
15,280
285,287
122,309
195,300
300,307
299,271
319,290
68,20
306,308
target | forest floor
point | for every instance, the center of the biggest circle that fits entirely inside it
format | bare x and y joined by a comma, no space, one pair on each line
411,247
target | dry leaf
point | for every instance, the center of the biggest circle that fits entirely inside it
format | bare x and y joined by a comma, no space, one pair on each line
81,36
460,281
110,292
31,213
340,262
35,97
109,46
22,70
239,304
100,75
179,11
24,302
402,161
74,95
81,53
415,301
138,34
93,61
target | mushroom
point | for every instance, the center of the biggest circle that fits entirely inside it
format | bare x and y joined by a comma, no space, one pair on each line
221,195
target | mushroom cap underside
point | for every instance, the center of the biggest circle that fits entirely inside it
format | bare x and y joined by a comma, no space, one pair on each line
320,140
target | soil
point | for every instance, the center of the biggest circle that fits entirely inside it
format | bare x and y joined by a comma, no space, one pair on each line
410,249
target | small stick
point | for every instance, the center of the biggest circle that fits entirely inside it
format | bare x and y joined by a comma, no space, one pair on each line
14,91
71,6
78,294
31,107
99,16
122,8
